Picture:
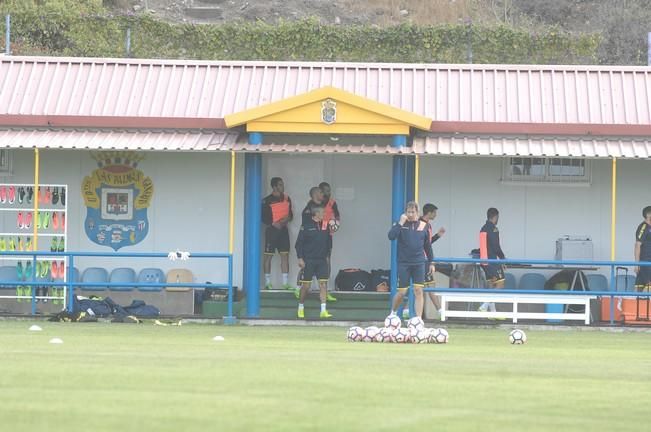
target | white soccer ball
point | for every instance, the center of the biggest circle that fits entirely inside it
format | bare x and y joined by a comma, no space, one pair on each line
517,337
401,335
370,333
333,225
355,334
384,335
415,323
439,336
392,322
419,336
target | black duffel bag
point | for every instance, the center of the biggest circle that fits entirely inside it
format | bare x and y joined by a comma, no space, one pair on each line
353,280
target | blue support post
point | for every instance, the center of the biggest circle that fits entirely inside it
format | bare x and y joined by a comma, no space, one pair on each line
69,279
410,174
410,195
252,212
397,206
612,299
229,318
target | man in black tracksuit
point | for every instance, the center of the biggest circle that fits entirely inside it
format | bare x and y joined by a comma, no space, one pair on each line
312,249
414,251
643,251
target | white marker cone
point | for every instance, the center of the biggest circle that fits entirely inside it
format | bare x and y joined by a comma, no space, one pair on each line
35,328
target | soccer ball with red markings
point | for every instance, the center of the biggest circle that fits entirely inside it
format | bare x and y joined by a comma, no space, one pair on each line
384,335
370,333
517,337
355,334
419,336
392,322
333,225
415,323
439,336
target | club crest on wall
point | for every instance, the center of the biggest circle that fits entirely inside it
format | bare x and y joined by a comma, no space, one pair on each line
329,111
117,195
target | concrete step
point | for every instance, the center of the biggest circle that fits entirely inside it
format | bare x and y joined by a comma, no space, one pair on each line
313,313
196,3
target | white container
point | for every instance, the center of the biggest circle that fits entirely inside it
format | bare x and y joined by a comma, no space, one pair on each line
574,248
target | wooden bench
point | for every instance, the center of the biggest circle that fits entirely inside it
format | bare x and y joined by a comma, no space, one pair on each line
515,300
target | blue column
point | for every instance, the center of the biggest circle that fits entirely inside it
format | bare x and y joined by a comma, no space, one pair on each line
410,174
410,195
252,223
397,205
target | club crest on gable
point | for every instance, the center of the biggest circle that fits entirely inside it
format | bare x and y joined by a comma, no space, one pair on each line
329,111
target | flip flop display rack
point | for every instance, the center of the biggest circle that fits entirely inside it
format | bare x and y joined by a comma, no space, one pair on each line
17,222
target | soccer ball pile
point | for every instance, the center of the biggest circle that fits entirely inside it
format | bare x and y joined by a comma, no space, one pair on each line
393,332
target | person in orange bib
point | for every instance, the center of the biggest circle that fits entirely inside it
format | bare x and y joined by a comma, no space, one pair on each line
490,248
332,219
276,214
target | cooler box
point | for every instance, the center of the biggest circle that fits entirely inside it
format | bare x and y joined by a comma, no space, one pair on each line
627,310
554,308
618,314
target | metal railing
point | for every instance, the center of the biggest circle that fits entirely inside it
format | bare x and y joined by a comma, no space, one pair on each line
560,266
69,285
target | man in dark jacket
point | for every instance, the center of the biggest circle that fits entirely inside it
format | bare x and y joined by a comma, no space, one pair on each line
429,214
643,251
490,248
312,249
414,251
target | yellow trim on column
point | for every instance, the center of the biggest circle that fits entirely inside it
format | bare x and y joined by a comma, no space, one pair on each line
355,114
613,210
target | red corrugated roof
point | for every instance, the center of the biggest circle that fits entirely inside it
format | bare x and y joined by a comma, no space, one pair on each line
115,139
204,89
587,147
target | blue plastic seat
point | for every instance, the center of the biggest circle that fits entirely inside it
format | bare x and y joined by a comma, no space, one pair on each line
509,281
8,274
625,283
532,281
151,275
94,275
122,275
597,282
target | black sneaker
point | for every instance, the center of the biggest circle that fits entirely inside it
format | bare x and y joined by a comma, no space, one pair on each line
55,195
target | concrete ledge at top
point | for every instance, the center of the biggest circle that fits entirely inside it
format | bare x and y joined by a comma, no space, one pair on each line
204,12
206,2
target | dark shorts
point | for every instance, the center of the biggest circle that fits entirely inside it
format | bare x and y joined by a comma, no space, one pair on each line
315,267
494,272
643,278
410,273
276,240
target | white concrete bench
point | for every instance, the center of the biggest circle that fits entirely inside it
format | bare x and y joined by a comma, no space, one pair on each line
515,300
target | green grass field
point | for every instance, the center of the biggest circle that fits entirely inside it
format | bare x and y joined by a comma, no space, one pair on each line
125,377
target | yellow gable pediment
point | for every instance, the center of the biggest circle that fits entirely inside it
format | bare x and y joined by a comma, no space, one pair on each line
328,110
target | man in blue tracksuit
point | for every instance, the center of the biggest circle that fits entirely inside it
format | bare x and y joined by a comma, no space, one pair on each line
414,251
